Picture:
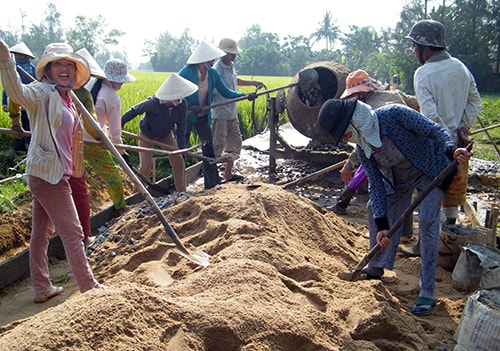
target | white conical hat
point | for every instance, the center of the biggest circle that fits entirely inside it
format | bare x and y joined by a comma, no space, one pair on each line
22,48
95,70
205,52
175,87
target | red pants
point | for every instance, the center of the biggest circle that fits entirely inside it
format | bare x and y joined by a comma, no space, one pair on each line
81,199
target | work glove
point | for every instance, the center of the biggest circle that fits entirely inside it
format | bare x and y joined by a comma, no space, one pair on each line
5,108
251,96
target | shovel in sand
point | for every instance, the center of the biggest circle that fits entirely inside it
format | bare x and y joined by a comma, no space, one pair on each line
355,274
196,255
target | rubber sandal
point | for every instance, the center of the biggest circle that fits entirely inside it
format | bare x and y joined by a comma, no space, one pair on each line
88,241
54,291
423,306
364,275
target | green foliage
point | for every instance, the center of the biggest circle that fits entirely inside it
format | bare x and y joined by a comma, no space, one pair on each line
489,116
12,194
472,28
13,190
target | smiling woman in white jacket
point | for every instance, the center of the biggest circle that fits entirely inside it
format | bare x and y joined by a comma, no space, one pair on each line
54,155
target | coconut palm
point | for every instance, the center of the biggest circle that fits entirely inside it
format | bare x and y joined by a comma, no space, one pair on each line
328,30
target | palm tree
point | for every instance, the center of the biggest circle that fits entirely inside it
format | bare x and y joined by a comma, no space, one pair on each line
328,30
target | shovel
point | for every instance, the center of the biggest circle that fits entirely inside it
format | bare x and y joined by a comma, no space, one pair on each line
154,189
170,147
197,256
244,97
355,274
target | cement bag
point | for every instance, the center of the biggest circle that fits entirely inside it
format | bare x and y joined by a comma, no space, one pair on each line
453,237
479,327
478,266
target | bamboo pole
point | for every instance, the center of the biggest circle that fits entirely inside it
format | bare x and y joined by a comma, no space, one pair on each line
120,146
314,175
169,147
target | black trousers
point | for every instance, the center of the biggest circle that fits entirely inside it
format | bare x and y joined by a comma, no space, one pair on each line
210,172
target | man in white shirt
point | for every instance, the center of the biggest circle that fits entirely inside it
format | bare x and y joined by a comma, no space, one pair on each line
447,94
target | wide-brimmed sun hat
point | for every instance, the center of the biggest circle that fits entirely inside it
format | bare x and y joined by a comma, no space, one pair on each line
59,51
335,115
175,87
229,45
358,82
95,70
205,52
22,48
116,71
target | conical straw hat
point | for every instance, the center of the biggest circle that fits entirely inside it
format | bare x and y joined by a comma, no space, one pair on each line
205,52
22,48
175,87
95,70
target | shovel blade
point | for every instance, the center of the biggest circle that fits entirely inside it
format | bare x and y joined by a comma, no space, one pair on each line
195,255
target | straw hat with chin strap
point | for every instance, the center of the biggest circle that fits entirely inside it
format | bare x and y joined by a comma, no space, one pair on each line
59,51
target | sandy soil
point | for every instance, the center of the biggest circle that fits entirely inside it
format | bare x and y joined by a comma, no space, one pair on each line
271,285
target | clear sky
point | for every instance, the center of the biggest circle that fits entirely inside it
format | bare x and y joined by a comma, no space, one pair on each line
208,20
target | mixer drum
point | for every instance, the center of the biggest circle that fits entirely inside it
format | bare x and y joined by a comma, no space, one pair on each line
304,101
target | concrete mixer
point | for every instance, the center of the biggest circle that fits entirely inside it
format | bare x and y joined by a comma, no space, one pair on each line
316,83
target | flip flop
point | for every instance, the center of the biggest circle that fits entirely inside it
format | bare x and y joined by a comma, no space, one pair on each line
423,306
54,291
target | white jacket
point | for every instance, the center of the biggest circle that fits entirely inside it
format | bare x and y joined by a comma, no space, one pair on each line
44,104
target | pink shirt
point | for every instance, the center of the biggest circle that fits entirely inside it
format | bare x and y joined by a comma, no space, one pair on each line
108,110
64,135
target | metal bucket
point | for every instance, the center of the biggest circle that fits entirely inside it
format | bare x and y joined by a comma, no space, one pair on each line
302,113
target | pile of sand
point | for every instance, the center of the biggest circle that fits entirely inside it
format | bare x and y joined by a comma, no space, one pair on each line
271,285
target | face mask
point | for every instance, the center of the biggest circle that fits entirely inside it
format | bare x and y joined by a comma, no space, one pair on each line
355,137
25,59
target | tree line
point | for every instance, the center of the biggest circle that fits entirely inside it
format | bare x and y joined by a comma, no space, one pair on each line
472,28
